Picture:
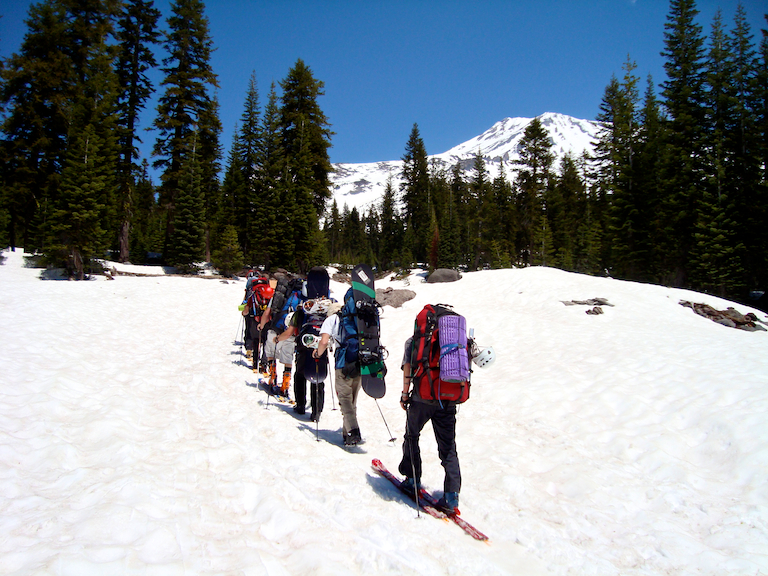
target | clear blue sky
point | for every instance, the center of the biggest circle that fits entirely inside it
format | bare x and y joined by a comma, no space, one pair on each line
455,68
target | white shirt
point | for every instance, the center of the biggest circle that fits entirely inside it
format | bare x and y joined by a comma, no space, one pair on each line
332,326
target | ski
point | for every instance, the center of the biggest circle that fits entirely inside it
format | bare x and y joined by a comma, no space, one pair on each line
382,470
428,503
283,399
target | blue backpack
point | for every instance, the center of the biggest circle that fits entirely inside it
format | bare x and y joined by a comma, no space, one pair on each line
347,353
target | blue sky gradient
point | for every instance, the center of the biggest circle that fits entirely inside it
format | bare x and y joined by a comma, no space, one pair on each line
455,68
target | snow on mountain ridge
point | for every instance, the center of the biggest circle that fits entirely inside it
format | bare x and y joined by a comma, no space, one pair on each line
362,185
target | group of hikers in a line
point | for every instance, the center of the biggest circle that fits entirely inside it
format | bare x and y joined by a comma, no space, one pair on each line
296,322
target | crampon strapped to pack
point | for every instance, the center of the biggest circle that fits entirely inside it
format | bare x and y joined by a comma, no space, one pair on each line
440,359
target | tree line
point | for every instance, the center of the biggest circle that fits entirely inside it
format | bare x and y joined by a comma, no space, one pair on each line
72,185
675,192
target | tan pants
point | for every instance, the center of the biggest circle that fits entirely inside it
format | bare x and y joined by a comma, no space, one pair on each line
347,389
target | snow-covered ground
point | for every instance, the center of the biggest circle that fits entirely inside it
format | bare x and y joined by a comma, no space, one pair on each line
133,439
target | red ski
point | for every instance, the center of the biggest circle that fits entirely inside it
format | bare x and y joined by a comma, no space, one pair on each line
428,502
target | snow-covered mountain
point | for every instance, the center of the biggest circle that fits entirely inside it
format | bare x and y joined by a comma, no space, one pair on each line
360,185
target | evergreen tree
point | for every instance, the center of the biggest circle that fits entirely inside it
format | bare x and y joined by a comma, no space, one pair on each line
271,159
617,152
77,235
146,225
209,154
761,190
306,134
333,232
648,175
505,222
251,209
136,34
750,212
233,207
714,257
391,228
93,142
188,238
415,191
37,90
229,258
684,156
533,179
185,106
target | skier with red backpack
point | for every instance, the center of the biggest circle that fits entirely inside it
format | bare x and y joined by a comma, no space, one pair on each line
258,293
436,379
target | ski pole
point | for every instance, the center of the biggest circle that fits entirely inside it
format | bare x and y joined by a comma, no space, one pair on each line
391,438
238,329
330,377
409,437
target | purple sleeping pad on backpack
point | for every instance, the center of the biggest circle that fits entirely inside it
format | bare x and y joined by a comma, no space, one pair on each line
454,359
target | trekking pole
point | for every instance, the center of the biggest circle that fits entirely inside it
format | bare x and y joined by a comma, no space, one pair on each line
413,462
238,329
331,369
391,438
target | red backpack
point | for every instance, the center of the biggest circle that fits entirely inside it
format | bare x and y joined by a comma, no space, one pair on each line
452,385
261,294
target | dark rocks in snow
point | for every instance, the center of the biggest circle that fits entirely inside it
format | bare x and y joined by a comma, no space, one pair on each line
729,317
443,275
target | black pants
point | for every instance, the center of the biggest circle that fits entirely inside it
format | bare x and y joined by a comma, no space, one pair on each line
316,392
444,425
317,397
299,380
252,335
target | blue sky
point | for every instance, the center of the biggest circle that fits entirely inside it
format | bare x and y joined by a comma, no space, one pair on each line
455,68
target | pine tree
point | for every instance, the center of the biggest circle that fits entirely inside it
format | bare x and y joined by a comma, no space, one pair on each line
146,230
251,209
185,106
715,261
37,89
648,176
617,152
391,228
533,179
229,258
136,34
77,235
306,134
415,193
271,159
93,141
749,207
188,238
684,156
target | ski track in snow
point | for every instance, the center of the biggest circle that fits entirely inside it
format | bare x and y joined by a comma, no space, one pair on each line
134,440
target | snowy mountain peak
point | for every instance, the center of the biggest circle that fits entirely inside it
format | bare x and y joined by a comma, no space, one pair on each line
362,185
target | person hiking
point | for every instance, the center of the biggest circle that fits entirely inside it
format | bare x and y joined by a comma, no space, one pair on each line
436,378
257,296
317,286
280,342
348,381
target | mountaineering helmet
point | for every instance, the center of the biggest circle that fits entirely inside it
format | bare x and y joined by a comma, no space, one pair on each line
485,357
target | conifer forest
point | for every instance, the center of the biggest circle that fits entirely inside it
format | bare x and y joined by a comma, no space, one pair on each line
675,194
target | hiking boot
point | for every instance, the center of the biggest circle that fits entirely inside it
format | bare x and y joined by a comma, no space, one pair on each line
407,485
449,503
286,382
298,410
249,354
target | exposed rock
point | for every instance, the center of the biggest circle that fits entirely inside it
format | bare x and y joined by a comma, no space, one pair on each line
394,297
443,275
